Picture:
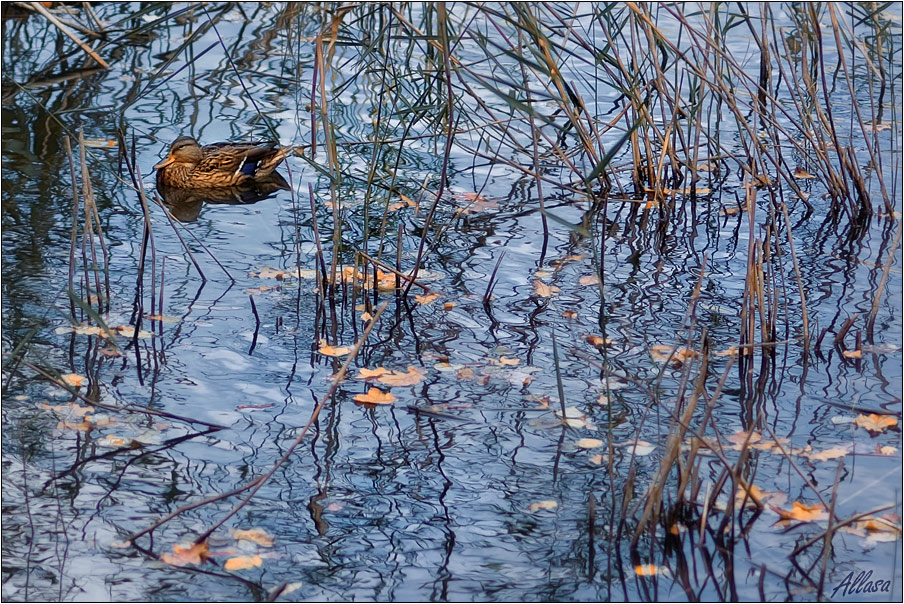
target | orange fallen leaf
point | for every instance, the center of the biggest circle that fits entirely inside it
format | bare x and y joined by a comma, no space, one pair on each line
402,378
73,379
259,536
852,354
424,299
570,314
589,443
650,570
875,423
801,172
465,373
332,351
660,354
546,504
375,396
449,305
242,562
182,556
98,143
828,454
505,362
115,441
545,291
730,351
598,341
589,280
368,374
803,512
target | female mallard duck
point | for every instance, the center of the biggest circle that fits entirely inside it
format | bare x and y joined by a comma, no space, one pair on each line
190,166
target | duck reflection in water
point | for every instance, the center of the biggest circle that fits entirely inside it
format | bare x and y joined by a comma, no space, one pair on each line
185,204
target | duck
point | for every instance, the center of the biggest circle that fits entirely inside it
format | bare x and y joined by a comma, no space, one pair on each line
188,165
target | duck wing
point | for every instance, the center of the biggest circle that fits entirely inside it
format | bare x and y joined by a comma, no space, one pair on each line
234,158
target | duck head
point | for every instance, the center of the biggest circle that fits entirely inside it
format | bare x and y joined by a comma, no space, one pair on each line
184,150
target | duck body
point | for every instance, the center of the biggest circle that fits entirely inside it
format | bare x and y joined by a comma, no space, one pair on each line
188,165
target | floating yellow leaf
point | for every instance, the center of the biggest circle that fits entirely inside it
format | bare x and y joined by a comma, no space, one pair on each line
332,351
650,570
546,504
242,562
425,299
368,374
730,351
73,379
366,316
505,362
598,341
114,441
828,454
127,331
545,291
402,378
449,305
803,512
875,423
589,443
182,556
259,536
375,396
661,354
852,354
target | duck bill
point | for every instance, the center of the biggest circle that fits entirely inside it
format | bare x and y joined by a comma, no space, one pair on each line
170,159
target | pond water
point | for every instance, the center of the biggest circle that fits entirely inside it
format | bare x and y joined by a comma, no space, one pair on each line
469,486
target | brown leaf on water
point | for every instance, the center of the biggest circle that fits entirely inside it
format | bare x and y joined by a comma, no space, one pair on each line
730,351
242,562
661,352
368,374
466,373
268,272
740,439
598,341
425,299
730,210
332,351
504,361
852,354
875,423
589,280
257,535
546,504
802,512
449,305
589,443
375,396
73,379
183,556
570,314
545,291
801,172
828,454
402,378
650,570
